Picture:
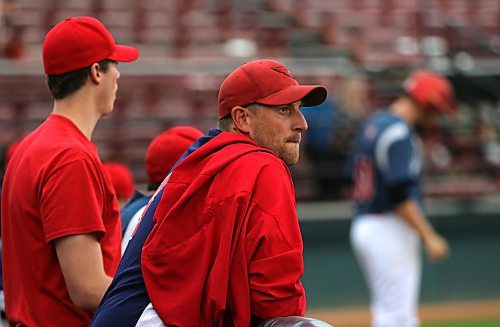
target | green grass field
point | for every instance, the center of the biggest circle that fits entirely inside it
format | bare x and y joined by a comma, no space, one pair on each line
470,323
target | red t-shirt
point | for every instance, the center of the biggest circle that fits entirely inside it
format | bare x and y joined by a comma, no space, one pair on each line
54,186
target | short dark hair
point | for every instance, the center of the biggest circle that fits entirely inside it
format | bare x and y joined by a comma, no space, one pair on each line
224,124
62,85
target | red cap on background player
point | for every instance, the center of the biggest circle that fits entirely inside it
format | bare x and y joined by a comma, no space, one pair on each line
165,149
11,149
79,42
431,91
267,82
122,179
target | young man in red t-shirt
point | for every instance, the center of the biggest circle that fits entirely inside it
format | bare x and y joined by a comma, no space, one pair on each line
61,231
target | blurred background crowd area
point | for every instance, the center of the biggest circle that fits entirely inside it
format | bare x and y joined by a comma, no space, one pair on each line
360,49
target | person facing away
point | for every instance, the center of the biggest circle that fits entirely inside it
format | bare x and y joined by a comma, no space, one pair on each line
163,152
122,180
219,243
61,230
6,153
390,219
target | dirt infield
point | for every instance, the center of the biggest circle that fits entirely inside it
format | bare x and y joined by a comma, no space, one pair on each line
439,312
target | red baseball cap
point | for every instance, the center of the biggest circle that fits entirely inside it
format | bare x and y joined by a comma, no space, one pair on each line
79,42
165,149
122,179
266,82
11,149
431,91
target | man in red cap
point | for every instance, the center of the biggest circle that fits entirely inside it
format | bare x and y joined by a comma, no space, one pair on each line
219,243
61,230
163,152
390,221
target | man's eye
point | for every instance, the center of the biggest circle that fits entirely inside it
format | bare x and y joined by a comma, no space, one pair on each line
284,110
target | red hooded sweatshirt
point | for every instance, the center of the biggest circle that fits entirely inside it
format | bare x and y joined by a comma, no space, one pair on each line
226,248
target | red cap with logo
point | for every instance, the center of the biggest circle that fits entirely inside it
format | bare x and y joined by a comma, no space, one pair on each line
166,149
79,42
267,82
431,91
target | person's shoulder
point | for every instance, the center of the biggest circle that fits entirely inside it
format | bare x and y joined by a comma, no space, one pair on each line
243,150
262,168
263,157
54,149
253,162
137,200
386,120
383,117
66,154
74,151
396,131
267,166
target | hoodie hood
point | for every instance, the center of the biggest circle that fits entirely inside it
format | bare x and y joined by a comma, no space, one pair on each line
203,160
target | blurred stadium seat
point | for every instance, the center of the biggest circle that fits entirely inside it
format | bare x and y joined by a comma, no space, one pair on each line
186,51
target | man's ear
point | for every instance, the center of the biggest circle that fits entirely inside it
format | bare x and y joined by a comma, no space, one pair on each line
95,74
241,120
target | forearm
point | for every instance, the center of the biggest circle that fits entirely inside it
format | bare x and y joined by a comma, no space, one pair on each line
411,213
89,295
436,246
82,265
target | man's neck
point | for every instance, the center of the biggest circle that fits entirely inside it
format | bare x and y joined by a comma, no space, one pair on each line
405,109
80,111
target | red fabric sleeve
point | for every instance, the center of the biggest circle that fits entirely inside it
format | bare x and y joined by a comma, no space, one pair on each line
71,201
274,246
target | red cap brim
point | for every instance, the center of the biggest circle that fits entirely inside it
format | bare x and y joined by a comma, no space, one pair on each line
311,95
124,53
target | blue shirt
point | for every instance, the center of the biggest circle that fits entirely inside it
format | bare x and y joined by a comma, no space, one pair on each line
136,202
387,153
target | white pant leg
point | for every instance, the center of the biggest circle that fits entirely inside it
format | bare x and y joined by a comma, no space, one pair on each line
388,251
149,318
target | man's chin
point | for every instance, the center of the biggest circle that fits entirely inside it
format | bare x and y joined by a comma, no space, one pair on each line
290,159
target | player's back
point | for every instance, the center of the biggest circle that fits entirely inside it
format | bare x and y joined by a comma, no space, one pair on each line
34,285
387,152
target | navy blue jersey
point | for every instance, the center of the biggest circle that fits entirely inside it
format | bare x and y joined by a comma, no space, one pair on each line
387,155
126,297
136,202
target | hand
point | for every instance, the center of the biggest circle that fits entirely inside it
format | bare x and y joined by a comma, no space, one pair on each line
436,247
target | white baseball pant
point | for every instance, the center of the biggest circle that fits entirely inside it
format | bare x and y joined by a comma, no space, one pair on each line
388,251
